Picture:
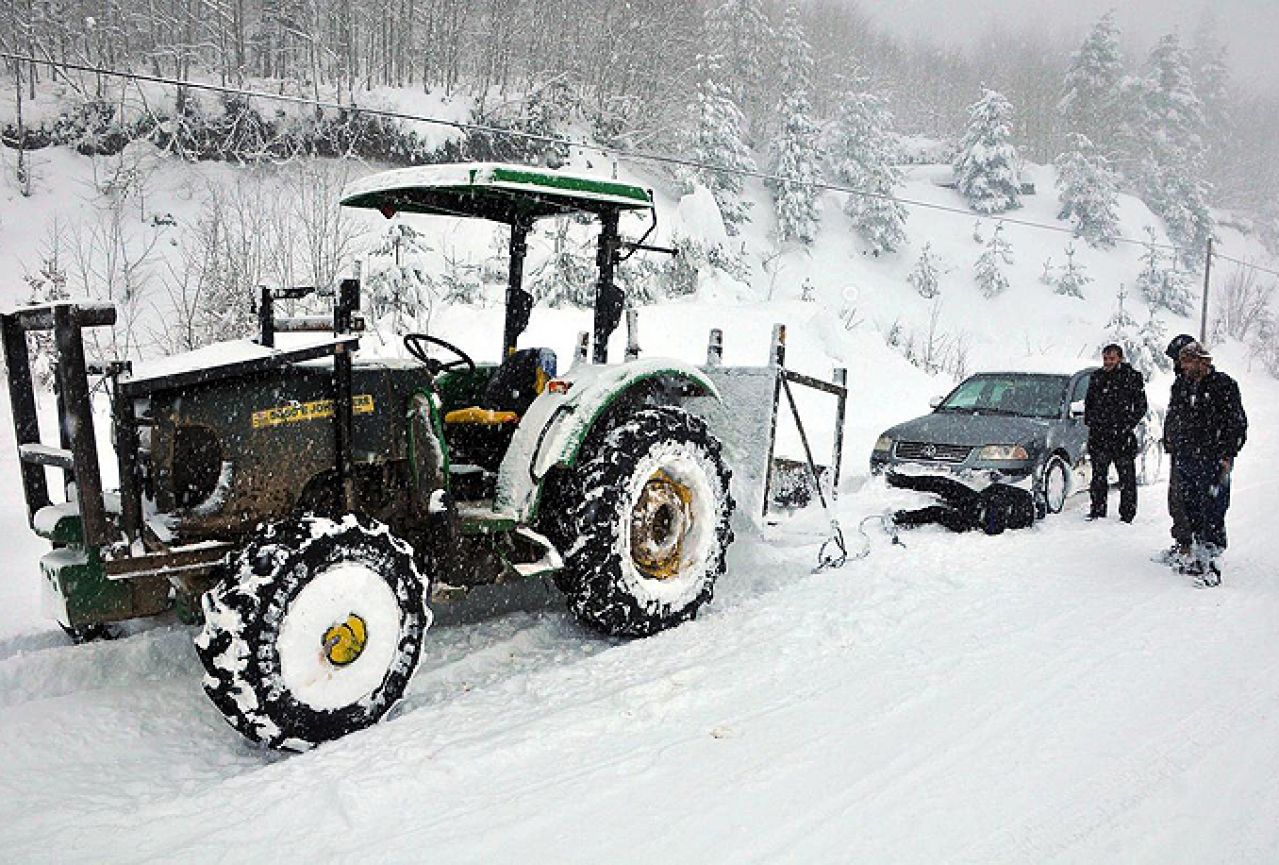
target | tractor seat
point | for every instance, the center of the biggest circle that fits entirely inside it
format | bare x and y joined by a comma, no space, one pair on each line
514,385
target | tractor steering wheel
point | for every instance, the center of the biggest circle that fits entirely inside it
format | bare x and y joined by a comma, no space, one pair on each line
415,344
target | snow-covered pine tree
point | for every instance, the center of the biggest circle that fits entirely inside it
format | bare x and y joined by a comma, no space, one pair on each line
925,277
719,139
1072,279
1089,189
1153,339
738,32
1169,136
1143,345
1211,75
47,285
1090,103
1048,276
986,168
991,280
1121,328
396,280
863,153
566,277
794,154
1160,283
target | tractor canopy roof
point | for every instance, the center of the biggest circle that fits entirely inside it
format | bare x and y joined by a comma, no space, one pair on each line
487,190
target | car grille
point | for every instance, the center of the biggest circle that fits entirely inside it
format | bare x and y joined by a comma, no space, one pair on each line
932,452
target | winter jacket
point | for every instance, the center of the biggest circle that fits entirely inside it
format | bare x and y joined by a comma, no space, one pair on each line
1114,405
1206,419
1178,399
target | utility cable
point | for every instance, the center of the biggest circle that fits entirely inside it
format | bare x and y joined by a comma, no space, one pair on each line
636,155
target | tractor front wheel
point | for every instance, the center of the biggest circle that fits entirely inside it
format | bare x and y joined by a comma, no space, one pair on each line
649,522
315,632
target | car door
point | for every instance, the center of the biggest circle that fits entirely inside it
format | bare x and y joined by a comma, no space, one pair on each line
1073,433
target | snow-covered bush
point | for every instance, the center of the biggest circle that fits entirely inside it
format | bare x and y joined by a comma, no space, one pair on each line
1160,283
925,276
1243,306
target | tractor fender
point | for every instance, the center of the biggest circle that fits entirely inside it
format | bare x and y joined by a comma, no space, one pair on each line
555,427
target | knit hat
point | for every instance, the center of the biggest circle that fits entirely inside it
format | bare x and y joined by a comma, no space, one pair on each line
1179,342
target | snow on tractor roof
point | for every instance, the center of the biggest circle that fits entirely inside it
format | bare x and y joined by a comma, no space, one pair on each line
504,193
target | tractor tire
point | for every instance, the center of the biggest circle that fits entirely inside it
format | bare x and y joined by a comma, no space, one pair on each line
649,520
315,631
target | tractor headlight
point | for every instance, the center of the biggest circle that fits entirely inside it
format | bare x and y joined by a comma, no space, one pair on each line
883,444
1003,453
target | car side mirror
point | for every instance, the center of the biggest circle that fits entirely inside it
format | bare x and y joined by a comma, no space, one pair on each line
1077,408
935,401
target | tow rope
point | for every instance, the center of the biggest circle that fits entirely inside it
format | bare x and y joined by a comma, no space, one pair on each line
826,558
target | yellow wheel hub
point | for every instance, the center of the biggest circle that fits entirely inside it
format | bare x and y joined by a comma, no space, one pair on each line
660,522
344,641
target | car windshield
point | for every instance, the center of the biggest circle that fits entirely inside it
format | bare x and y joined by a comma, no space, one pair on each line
1008,394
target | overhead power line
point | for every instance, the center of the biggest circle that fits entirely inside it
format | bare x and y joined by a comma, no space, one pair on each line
636,155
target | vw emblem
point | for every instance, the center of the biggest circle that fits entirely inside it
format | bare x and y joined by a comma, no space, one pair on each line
928,452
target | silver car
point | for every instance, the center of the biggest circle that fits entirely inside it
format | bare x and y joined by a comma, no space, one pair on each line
1009,437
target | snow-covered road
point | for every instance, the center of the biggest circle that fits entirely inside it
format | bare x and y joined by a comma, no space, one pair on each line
1042,696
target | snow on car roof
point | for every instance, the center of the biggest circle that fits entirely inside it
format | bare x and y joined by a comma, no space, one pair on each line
491,191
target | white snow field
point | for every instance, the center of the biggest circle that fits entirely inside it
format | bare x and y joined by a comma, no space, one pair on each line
1042,696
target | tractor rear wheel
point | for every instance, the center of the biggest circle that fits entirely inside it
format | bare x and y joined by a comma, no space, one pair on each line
648,519
315,631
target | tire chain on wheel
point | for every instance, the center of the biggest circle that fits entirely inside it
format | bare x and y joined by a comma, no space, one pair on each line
245,685
591,578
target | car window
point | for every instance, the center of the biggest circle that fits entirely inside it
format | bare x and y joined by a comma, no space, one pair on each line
1022,395
1081,388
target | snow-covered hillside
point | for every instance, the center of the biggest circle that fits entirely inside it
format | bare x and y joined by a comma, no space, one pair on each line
1047,695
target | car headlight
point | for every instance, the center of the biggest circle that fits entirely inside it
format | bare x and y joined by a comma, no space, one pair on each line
883,444
1003,453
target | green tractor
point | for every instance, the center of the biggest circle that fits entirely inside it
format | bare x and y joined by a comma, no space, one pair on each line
308,506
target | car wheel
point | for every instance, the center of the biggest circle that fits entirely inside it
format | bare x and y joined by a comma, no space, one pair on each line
1055,485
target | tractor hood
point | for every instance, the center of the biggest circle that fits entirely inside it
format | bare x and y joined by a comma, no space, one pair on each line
502,193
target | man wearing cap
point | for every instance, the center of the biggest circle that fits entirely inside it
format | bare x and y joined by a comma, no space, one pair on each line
1181,536
1114,405
1205,440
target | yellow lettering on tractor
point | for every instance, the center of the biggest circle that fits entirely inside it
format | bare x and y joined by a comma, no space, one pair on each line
296,412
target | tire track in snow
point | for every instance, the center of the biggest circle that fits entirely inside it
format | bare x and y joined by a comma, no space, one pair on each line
959,736
60,670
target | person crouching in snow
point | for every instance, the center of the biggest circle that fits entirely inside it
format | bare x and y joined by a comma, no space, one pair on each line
1114,405
1206,439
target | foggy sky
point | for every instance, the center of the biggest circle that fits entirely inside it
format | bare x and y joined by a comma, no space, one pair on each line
1250,28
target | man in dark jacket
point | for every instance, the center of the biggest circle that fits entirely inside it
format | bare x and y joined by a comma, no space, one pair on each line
1181,535
1114,405
1206,439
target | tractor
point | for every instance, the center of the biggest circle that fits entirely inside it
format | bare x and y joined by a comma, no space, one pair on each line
306,507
